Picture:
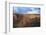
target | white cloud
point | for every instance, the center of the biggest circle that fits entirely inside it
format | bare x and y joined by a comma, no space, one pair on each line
33,12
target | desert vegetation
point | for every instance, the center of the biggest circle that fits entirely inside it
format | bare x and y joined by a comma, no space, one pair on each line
26,20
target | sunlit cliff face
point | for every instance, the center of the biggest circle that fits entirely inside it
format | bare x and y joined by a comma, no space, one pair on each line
27,20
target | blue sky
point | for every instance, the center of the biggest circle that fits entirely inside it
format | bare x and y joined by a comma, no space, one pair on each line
26,10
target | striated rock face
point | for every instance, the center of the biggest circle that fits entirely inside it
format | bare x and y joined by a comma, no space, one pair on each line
27,20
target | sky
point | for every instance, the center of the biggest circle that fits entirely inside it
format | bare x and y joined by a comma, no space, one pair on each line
26,10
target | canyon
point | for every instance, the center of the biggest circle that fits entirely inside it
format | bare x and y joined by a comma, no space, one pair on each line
26,20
